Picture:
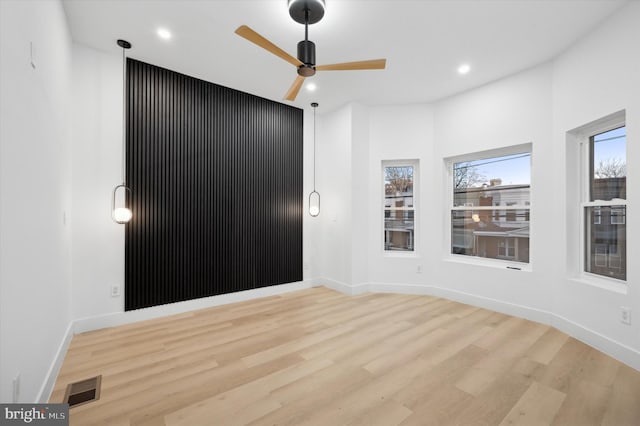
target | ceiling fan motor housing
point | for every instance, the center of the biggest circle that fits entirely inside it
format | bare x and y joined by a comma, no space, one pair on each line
307,52
307,55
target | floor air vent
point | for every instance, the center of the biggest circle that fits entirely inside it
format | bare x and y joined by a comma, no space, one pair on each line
83,392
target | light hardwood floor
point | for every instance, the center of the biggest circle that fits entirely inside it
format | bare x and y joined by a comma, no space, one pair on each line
317,357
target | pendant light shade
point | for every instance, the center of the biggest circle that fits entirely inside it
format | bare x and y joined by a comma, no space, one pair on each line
314,197
314,203
122,214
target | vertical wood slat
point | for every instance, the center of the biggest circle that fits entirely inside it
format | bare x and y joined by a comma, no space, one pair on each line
216,180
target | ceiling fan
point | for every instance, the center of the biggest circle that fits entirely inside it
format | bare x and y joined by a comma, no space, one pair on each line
305,12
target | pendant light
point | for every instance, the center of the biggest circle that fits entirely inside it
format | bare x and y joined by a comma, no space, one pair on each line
314,197
122,214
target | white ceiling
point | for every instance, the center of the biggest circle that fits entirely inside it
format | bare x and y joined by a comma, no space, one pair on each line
423,41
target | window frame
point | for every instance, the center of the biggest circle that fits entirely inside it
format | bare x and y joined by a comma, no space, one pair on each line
415,163
585,135
448,164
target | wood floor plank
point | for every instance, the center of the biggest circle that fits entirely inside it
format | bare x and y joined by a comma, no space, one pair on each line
228,406
365,398
295,346
558,374
410,351
596,367
387,413
495,402
425,385
546,348
437,345
500,360
538,406
501,333
440,407
400,340
623,408
313,393
585,404
318,357
347,344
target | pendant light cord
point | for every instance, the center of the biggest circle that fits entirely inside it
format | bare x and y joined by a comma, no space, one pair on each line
314,148
124,116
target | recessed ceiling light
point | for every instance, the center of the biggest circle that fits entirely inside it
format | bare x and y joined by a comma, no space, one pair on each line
163,33
311,87
464,69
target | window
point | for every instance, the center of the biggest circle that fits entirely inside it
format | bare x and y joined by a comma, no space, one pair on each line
511,214
618,216
491,204
600,256
597,215
506,248
604,201
399,205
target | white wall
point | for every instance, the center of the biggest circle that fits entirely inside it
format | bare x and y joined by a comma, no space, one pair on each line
512,111
360,216
596,77
312,226
401,133
98,242
35,189
333,182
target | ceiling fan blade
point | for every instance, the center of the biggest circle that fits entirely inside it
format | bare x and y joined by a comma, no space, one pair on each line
294,89
254,37
374,64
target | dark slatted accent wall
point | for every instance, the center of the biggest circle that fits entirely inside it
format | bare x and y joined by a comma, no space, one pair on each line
216,180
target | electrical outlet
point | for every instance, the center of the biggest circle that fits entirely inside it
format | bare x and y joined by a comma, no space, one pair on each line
625,315
16,388
115,290
419,269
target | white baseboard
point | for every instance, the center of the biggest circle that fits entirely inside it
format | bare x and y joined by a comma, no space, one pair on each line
496,305
613,348
348,289
119,318
52,374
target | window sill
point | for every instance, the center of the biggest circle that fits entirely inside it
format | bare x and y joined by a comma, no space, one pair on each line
400,254
491,263
602,283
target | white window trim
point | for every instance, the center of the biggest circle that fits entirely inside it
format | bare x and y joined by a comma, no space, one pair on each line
415,163
448,178
584,133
